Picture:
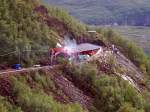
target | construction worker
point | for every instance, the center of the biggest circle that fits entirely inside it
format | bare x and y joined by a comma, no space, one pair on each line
114,49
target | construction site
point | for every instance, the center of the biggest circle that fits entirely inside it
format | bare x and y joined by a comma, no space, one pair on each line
73,71
82,53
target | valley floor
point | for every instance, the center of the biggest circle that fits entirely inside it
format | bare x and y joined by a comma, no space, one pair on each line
138,34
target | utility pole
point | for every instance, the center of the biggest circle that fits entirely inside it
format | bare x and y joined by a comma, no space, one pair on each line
19,57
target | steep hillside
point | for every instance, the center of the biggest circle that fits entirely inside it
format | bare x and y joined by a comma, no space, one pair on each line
107,82
131,12
37,92
139,35
28,28
70,88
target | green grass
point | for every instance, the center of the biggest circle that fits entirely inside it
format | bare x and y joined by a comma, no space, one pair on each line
6,106
72,24
140,35
35,99
23,32
110,93
127,47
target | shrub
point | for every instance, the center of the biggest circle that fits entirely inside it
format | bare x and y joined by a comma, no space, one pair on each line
147,106
23,32
143,68
84,73
73,25
43,80
37,101
110,93
114,92
126,107
5,106
128,48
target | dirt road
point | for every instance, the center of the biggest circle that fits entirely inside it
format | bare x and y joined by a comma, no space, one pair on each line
24,70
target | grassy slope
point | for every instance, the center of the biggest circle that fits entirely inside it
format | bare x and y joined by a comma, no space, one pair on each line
34,92
110,93
30,91
23,30
108,11
139,35
38,91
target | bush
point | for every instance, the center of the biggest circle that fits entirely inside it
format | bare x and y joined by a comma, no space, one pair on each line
147,106
128,48
110,93
126,107
37,101
114,92
74,26
5,106
85,73
43,81
22,32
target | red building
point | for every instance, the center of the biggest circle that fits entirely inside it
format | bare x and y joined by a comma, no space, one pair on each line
81,50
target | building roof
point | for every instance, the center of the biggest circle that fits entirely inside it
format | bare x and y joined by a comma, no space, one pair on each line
92,31
87,47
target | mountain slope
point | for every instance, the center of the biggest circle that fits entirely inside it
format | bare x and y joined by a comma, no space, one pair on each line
57,88
131,12
139,35
28,29
25,30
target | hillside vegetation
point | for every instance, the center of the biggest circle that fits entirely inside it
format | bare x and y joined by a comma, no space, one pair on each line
139,35
23,31
111,94
34,92
39,91
128,48
131,12
94,86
